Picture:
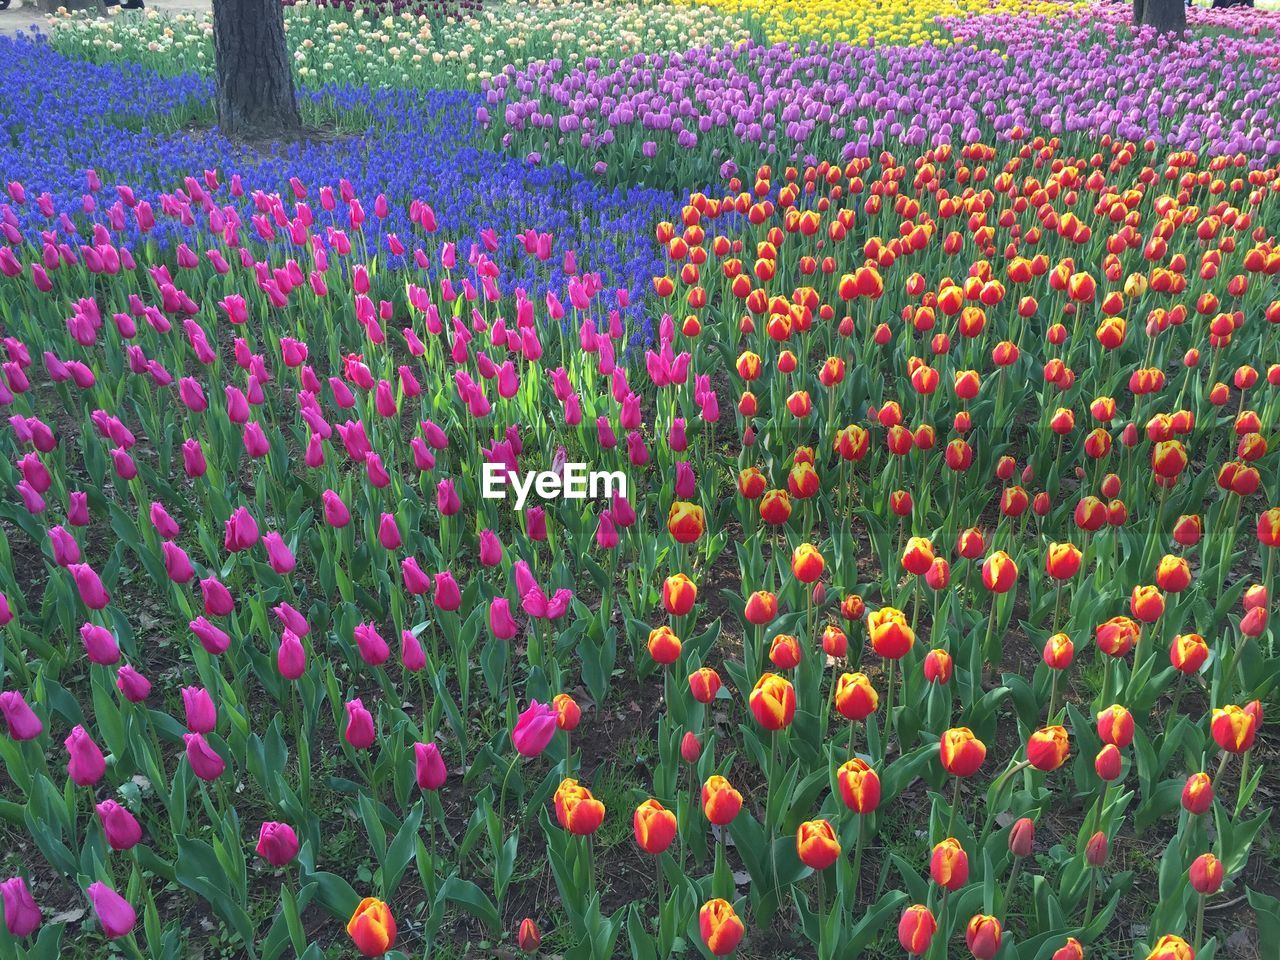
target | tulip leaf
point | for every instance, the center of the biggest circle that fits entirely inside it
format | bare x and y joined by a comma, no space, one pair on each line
862,933
199,870
465,894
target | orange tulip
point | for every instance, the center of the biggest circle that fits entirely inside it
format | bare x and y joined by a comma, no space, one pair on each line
1059,651
1171,947
916,929
577,810
1108,764
859,786
1022,837
852,607
773,702
938,667
807,563
761,608
1115,725
720,927
1070,950
568,713
1173,575
969,544
1234,728
949,865
685,521
835,643
752,483
1062,562
891,635
855,697
983,935
664,646
372,928
1206,874
1188,530
1117,636
1168,458
1146,603
784,651
679,594
961,752
530,937
917,557
1197,794
1188,653
775,507
1269,528
704,684
817,845
720,802
999,572
654,826
1048,748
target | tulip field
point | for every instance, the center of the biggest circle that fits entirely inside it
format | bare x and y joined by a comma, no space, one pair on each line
644,480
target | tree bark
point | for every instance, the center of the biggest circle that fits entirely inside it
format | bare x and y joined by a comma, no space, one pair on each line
1138,6
255,79
1166,15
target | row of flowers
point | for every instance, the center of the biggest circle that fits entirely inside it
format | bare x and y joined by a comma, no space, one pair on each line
380,46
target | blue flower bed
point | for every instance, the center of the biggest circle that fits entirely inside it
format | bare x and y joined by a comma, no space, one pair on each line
63,117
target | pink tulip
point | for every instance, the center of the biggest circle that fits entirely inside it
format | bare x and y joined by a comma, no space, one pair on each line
291,657
99,644
22,917
447,500
121,827
19,718
490,549
360,731
177,565
212,638
86,765
240,531
388,532
501,622
686,482
133,685
78,508
292,619
534,729
336,513
66,550
535,521
431,772
202,715
92,592
277,843
606,532
415,578
113,911
412,657
447,595
193,462
217,598
279,556
373,649
204,760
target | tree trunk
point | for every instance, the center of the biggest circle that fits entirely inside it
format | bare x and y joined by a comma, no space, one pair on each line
1138,6
1165,15
255,80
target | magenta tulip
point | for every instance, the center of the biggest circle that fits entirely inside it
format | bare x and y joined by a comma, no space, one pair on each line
113,911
